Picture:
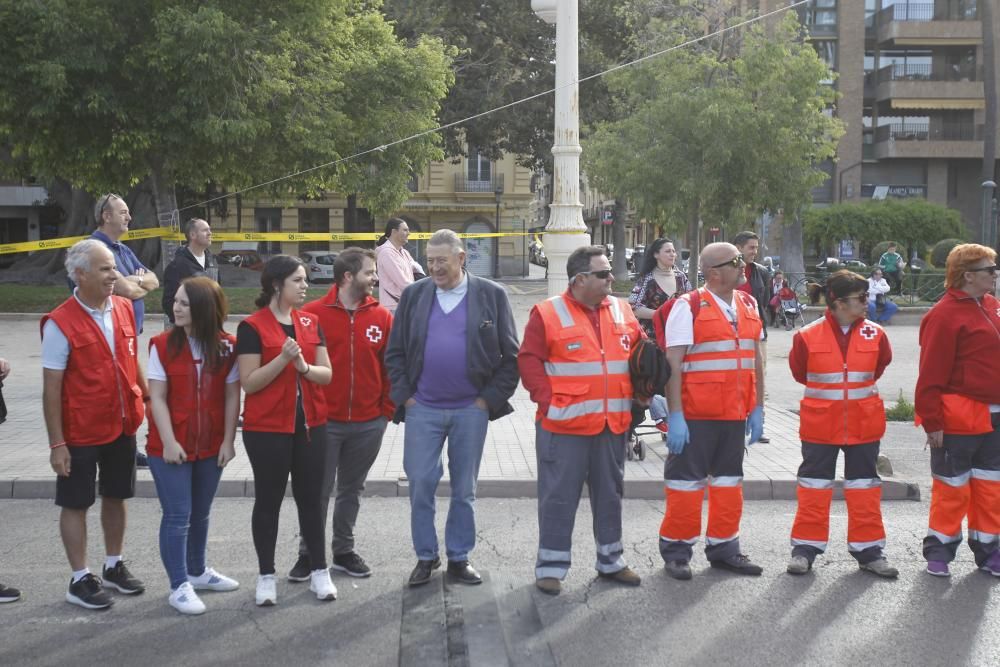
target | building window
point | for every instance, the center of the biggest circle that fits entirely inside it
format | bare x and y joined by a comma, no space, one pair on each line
314,220
479,167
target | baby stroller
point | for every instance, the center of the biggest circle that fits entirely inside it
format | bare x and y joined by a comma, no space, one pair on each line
635,448
787,309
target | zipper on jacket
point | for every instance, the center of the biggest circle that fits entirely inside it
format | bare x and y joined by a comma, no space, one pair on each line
197,394
350,391
846,403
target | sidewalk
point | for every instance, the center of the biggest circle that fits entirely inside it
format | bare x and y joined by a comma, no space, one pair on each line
508,466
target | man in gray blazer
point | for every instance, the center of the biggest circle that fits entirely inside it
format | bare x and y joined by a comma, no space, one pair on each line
452,363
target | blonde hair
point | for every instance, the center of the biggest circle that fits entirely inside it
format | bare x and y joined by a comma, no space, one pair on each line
961,258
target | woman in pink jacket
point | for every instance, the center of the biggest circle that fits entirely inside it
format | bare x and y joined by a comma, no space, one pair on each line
393,263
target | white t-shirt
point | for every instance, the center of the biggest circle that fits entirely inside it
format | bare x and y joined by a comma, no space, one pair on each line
680,323
200,259
155,370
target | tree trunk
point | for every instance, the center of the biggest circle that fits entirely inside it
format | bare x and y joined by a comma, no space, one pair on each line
990,120
792,262
142,207
694,242
164,202
351,213
45,266
619,264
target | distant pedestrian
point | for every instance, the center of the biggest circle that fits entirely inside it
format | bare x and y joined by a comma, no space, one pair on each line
839,358
194,386
892,265
356,329
958,404
193,259
452,362
659,280
394,264
757,285
574,362
880,307
283,367
7,593
93,400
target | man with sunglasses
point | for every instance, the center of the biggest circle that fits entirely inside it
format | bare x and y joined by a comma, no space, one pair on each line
574,364
716,396
958,404
838,358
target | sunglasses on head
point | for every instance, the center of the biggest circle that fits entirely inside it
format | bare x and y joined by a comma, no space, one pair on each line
992,269
603,274
106,199
735,262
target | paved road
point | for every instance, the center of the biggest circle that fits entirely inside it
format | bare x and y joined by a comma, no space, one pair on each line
836,615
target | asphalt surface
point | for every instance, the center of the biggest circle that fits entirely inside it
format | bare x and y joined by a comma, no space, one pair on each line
835,615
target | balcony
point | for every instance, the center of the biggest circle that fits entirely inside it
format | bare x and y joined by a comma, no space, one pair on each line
936,86
927,24
929,140
486,186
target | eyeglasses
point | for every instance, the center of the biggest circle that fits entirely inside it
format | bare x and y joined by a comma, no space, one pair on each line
860,297
992,269
735,262
602,275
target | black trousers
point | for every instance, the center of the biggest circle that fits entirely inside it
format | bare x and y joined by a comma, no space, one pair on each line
273,456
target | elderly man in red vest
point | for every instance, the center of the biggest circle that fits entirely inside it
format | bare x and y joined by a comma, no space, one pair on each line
574,364
92,398
716,396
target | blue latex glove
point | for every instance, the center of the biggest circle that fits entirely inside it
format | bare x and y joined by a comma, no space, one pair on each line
755,424
678,435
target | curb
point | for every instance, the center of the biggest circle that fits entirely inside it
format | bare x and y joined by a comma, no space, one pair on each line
643,489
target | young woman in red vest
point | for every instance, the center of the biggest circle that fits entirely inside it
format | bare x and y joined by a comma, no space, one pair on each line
194,387
283,363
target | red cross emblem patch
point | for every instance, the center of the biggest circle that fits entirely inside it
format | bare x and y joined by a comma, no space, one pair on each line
374,333
868,332
625,342
306,321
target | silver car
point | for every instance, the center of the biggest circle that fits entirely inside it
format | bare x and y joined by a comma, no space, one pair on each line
319,265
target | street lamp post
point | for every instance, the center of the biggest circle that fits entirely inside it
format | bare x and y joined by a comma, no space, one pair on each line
498,191
566,230
987,214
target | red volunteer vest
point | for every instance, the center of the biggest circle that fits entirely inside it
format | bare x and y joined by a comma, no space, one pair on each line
841,405
101,398
719,381
272,409
197,404
591,385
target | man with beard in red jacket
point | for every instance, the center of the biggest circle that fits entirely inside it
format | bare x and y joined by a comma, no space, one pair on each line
356,329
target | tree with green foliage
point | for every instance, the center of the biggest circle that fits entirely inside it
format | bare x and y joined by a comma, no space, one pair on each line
719,131
108,94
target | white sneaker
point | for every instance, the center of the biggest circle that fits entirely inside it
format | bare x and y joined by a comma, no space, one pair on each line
186,601
267,590
210,580
321,584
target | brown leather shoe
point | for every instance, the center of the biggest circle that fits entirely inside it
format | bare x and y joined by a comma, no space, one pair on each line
549,585
625,576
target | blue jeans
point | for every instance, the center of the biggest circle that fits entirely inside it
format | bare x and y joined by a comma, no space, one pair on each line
186,492
423,439
885,315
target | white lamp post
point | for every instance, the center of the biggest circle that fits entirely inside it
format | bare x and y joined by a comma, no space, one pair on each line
566,211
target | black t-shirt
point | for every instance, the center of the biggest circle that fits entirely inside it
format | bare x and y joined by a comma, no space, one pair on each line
248,341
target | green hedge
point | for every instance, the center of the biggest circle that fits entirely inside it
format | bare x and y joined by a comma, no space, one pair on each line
939,255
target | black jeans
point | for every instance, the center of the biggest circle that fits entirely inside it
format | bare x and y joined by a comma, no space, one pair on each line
273,456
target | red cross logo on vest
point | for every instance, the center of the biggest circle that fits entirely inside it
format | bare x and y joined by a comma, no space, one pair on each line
374,333
625,342
305,321
868,332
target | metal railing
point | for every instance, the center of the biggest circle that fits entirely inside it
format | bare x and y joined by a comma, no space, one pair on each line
925,72
926,11
929,132
491,185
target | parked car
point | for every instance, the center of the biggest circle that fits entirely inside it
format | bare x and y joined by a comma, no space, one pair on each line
638,253
319,265
536,253
245,259
833,264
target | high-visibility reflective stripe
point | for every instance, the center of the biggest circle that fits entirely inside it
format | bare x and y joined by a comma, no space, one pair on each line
693,540
611,568
869,483
956,481
710,365
562,311
619,405
721,346
551,555
619,367
616,310
862,392
825,394
595,406
984,538
858,376
725,481
815,483
712,541
551,572
988,475
748,344
685,484
574,369
825,378
796,542
609,549
946,539
749,364
861,546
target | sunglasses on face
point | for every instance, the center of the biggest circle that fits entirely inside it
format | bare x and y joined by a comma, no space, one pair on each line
992,269
602,275
860,297
735,262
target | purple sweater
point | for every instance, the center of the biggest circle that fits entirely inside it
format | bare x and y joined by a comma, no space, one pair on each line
444,382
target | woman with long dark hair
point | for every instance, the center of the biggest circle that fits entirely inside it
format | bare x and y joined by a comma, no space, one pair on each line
283,363
393,263
194,389
658,281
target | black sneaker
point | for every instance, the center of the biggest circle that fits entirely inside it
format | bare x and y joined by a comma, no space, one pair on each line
9,594
88,593
141,461
118,577
301,570
739,564
352,564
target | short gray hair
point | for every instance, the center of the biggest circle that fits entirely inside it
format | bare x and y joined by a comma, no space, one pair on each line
579,260
448,238
78,256
102,204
